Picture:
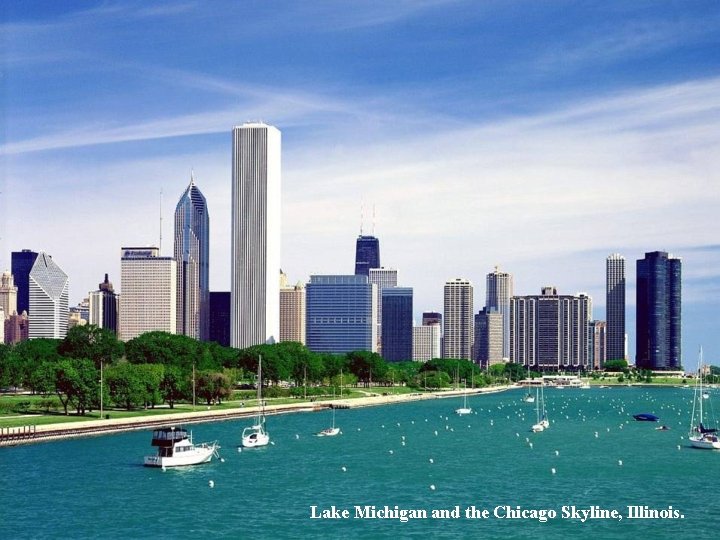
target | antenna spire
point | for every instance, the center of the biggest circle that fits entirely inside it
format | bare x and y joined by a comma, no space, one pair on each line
160,247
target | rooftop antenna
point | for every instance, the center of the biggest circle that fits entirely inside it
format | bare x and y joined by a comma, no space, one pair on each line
160,247
362,208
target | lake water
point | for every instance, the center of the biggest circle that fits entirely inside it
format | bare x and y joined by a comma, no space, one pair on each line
96,487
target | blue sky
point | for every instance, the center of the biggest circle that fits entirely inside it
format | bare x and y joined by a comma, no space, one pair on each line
538,136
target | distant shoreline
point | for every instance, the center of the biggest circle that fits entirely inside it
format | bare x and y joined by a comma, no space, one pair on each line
92,428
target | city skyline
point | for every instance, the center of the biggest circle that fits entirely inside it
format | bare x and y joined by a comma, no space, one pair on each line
542,155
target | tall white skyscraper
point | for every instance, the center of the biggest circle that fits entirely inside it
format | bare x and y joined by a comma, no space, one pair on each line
458,323
48,299
255,265
498,292
383,278
615,307
148,299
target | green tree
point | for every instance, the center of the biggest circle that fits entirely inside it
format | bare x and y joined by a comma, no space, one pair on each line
89,341
125,385
172,385
152,377
616,365
367,366
26,357
213,387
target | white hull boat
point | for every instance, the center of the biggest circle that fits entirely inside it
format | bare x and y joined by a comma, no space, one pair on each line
176,449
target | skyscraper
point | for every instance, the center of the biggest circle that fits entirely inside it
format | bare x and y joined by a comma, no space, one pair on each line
397,326
341,314
192,254
459,329
219,326
292,311
615,306
21,264
550,331
383,278
8,294
426,342
367,255
598,344
255,290
488,337
104,306
658,323
148,299
48,299
499,290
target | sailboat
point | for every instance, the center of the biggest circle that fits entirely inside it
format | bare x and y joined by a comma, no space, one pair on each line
700,436
529,398
464,409
255,435
542,421
332,430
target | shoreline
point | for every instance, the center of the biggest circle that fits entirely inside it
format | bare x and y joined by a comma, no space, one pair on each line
90,428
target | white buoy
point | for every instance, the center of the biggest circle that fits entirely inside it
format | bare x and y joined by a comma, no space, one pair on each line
557,453
552,470
436,432
432,460
620,462
678,447
211,483
530,445
222,460
297,436
432,487
391,451
239,449
344,469
596,435
403,443
272,442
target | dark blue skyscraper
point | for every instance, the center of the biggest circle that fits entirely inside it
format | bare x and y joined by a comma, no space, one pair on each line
21,264
397,327
220,318
658,311
192,253
367,255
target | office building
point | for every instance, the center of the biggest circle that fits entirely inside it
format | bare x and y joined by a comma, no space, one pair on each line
219,326
615,306
21,264
255,290
48,299
459,329
341,314
431,317
397,326
367,255
383,278
104,306
192,254
658,319
598,344
499,290
489,337
292,311
549,332
426,342
16,328
148,286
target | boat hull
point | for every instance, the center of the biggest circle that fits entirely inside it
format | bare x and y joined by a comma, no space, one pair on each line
254,437
329,432
201,454
705,443
463,410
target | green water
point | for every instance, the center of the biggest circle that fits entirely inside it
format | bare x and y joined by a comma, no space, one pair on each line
96,487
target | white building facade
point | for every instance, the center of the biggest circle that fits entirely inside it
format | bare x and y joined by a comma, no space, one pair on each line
48,299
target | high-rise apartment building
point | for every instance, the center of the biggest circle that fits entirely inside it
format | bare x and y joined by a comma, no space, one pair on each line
397,326
219,326
8,295
499,290
550,331
459,330
104,306
48,299
21,264
615,306
341,314
192,254
255,290
367,255
148,286
658,322
489,337
292,311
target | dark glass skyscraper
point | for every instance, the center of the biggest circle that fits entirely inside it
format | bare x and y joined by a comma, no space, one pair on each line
397,310
658,326
367,255
192,253
220,318
21,264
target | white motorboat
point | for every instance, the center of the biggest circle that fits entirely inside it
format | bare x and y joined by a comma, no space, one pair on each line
176,449
701,436
255,435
